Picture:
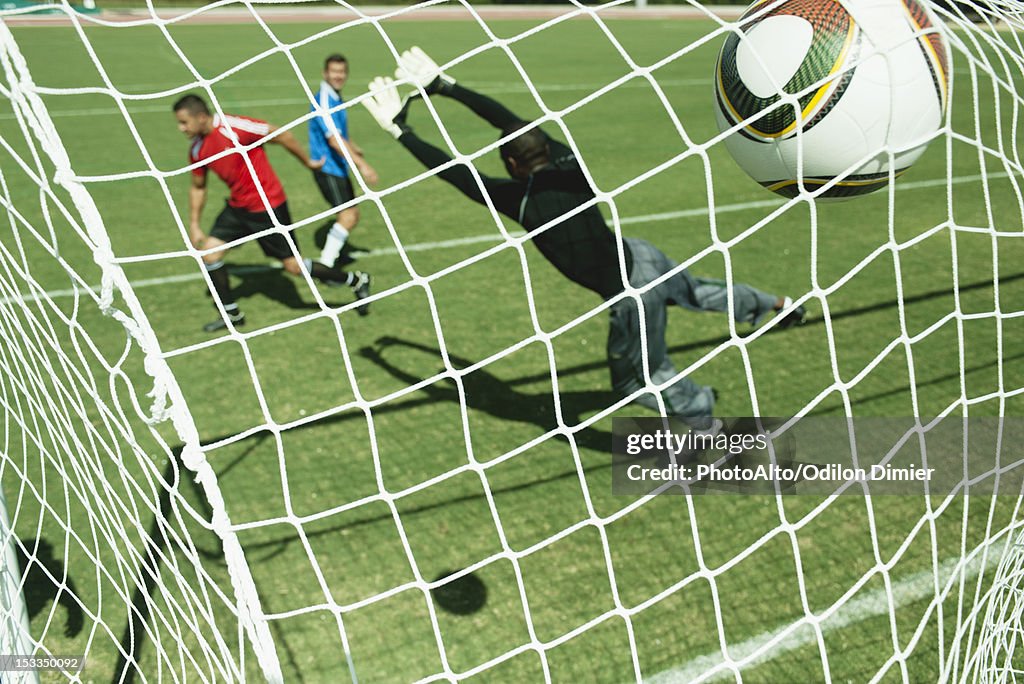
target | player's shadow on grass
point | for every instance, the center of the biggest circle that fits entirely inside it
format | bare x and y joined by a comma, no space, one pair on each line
157,546
487,393
276,284
174,478
46,577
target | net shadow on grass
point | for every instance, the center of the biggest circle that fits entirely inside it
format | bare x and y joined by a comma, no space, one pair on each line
282,544
937,380
712,342
485,392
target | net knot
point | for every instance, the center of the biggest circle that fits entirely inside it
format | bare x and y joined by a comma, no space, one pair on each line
193,458
63,177
158,411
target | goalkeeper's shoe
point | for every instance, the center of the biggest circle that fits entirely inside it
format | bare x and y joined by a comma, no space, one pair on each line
236,319
361,287
797,316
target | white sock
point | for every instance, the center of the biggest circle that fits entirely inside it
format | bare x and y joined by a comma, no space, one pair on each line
336,238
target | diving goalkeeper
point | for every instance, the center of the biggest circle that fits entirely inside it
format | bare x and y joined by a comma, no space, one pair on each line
548,186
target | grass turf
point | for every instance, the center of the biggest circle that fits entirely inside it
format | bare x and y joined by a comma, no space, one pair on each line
342,510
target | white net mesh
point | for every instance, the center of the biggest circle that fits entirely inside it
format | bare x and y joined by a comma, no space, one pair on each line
425,493
996,656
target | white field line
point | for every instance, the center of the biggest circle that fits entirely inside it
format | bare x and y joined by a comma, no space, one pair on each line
490,237
497,89
489,86
916,587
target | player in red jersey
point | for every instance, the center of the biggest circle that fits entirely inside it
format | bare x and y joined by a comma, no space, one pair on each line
256,202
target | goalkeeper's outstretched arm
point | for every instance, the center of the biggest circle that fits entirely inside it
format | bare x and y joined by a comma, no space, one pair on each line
432,158
490,110
499,116
415,66
389,110
504,193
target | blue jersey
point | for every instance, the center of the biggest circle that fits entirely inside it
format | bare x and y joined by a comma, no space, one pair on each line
322,127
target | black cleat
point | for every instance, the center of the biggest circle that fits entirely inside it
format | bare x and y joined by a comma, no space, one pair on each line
797,316
361,287
236,319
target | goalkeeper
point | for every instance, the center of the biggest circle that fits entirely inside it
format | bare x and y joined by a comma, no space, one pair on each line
547,185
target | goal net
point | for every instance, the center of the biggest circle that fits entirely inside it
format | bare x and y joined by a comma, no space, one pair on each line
426,493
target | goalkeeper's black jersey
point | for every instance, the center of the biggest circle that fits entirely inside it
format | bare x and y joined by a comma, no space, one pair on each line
580,245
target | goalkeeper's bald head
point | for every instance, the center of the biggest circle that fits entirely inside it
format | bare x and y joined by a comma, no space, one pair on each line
526,152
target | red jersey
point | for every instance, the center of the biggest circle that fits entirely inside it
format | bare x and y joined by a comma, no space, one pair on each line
231,168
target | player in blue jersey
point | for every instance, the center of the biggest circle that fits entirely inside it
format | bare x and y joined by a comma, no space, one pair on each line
328,140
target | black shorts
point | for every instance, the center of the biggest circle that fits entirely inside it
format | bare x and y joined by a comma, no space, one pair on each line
233,223
336,189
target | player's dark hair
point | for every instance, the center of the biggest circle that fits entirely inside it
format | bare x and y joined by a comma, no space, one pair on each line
528,149
193,104
336,58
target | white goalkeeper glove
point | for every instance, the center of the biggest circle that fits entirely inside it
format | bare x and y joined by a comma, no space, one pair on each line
386,107
416,67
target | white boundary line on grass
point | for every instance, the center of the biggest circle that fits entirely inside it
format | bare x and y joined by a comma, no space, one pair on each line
494,237
492,87
502,88
916,587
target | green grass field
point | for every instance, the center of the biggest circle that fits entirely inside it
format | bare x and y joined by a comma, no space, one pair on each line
349,488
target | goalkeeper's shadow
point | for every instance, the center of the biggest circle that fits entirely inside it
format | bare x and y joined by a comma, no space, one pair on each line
487,393
484,392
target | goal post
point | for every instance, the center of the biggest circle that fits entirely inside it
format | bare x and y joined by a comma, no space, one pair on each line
427,493
167,401
15,634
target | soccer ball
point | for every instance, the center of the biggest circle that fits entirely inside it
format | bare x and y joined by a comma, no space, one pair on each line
834,86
